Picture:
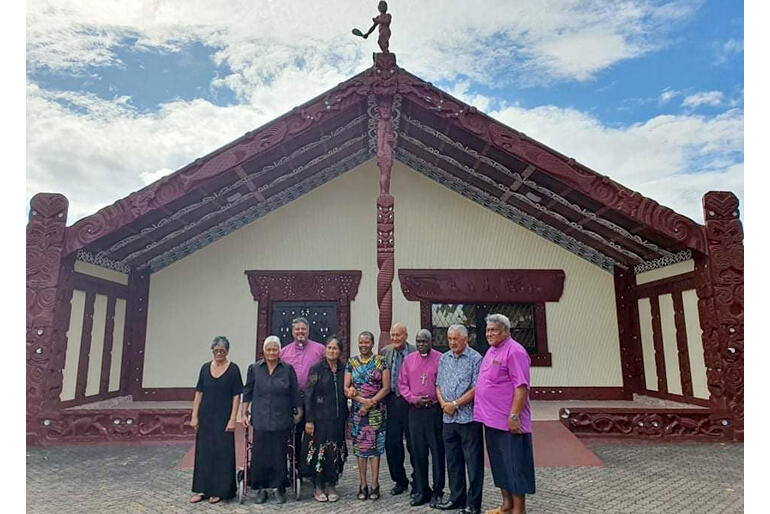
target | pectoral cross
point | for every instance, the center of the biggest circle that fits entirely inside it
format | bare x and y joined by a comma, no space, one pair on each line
423,378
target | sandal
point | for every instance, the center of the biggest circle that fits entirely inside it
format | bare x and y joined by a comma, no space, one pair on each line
363,492
333,497
215,499
320,497
375,493
197,498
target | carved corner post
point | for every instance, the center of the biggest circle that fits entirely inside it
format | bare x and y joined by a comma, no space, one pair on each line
49,292
385,218
132,371
719,286
632,366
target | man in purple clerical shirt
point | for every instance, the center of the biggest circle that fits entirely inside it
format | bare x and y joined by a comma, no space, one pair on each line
301,354
502,406
417,384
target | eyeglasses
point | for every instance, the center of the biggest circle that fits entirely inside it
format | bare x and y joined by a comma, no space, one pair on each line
219,350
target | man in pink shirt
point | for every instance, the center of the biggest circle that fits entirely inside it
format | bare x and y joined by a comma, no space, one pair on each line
502,406
417,385
301,354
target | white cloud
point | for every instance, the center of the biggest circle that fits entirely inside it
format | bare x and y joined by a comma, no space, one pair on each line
710,98
667,95
283,53
673,159
728,49
545,40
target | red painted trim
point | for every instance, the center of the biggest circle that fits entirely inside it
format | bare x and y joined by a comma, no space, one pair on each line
109,328
683,352
99,285
269,286
88,399
118,425
426,316
134,344
573,175
677,398
657,341
85,346
719,286
631,356
668,285
166,394
481,285
576,393
543,356
652,424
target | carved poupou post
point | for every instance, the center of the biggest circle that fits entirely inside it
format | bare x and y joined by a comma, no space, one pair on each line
719,285
385,217
49,291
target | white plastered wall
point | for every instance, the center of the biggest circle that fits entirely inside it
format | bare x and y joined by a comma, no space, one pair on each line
333,228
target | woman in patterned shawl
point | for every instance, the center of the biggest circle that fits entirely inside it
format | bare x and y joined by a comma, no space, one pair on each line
367,382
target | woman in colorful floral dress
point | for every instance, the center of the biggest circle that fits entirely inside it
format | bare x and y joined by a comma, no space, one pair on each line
367,382
326,414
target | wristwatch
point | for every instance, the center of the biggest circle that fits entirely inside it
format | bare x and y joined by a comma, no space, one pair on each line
454,402
515,417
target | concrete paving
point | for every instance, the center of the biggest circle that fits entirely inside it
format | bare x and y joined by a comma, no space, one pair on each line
638,478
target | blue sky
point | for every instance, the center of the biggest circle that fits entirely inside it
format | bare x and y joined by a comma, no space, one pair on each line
649,92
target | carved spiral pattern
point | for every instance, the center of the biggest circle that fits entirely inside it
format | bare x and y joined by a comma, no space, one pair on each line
719,284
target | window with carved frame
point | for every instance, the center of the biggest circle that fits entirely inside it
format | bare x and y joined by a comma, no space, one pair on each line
528,326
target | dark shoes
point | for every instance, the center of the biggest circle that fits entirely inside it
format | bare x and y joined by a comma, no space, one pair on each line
419,500
398,489
261,496
280,496
363,492
470,510
436,499
448,505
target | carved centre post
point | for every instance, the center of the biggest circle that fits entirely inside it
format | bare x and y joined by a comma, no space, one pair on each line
385,217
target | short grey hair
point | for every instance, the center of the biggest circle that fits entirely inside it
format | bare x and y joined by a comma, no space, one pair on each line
221,340
425,333
499,320
458,328
271,340
300,320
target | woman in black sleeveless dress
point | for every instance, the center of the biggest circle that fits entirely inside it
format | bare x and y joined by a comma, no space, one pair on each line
217,398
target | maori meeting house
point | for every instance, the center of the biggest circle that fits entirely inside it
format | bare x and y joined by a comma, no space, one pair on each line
386,199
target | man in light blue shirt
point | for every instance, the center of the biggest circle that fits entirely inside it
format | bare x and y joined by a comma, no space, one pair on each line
458,371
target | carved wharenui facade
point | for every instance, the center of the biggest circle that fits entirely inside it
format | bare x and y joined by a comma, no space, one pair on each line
395,182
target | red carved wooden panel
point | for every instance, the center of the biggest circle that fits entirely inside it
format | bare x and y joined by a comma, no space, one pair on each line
719,285
49,291
127,425
481,285
654,424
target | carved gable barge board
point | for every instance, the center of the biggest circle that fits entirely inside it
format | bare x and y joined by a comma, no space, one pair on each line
164,191
545,217
216,218
578,177
652,424
461,150
255,211
269,286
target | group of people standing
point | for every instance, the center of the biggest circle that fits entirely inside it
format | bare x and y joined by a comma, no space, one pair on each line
442,405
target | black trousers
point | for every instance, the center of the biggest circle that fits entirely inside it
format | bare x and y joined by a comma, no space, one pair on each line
464,446
396,430
425,431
